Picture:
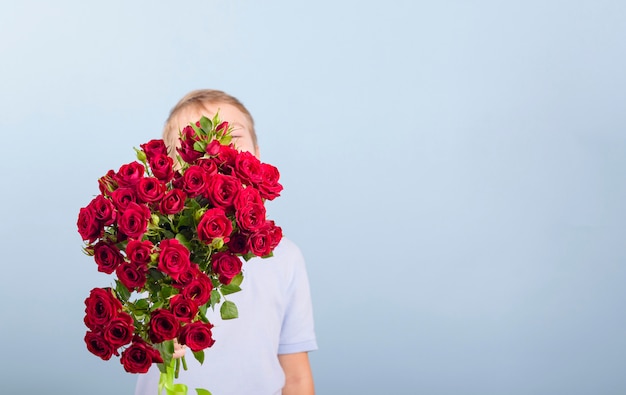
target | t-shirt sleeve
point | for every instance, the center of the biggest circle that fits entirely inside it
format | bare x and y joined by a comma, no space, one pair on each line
297,332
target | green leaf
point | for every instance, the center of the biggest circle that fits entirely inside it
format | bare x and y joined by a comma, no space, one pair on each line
122,291
199,146
168,291
228,311
185,220
164,219
205,123
166,349
202,313
196,129
193,204
153,287
183,240
162,367
215,297
216,118
122,245
157,305
230,289
202,309
203,264
170,346
155,274
142,304
199,355
202,391
237,279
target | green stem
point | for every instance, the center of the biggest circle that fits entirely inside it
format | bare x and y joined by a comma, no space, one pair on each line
184,362
166,381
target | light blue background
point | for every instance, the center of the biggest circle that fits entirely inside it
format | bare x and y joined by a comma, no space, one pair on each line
454,171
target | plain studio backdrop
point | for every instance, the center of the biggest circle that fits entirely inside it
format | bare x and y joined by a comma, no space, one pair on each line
454,172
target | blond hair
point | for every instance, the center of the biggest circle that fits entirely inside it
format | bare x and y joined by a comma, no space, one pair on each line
197,101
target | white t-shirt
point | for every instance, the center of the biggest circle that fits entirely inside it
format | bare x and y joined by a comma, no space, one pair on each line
275,317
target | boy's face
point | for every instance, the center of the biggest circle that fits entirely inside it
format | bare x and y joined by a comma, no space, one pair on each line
241,129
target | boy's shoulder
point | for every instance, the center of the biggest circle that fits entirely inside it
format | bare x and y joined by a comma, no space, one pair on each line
286,258
288,250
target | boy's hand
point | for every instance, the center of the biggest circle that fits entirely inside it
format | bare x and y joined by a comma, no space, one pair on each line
179,350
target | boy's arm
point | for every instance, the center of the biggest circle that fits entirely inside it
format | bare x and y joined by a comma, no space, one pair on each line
298,376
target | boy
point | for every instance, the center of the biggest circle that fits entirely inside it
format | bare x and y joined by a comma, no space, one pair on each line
265,350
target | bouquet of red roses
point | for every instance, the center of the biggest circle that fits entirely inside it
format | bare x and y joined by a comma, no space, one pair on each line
174,235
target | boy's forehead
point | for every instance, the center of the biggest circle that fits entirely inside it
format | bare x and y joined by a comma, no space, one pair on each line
227,112
191,114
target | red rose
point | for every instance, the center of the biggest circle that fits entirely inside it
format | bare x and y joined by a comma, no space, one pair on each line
129,174
197,336
139,356
162,167
213,148
150,189
100,307
88,225
222,127
107,183
122,197
132,276
184,309
222,190
269,187
275,232
163,326
199,289
138,252
187,140
105,210
119,331
186,277
154,148
213,224
248,168
248,196
251,217
226,265
177,181
226,158
97,345
134,220
173,258
261,241
173,202
107,256
208,165
194,181
238,244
